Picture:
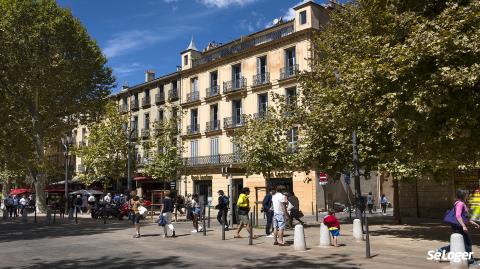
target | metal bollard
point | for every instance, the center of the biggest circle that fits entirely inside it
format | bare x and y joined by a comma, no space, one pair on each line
223,224
35,216
203,223
256,216
313,213
367,237
316,212
254,209
208,224
250,232
76,216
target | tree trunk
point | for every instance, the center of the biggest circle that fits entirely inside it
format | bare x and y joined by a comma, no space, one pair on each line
40,200
7,184
396,202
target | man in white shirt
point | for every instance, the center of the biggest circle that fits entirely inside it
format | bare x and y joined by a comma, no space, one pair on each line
23,204
108,199
279,202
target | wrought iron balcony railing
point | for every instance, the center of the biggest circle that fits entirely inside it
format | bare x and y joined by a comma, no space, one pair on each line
261,79
212,91
212,160
123,108
233,122
212,126
244,44
192,97
173,95
134,134
193,129
81,168
292,148
145,133
159,98
134,104
260,115
146,101
234,85
289,71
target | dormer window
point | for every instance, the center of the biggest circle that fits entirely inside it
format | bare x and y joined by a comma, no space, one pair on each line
303,17
185,60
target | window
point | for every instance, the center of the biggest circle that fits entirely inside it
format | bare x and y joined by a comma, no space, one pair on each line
214,116
161,90
135,123
214,146
236,76
147,121
194,85
125,101
193,119
262,104
174,85
261,65
185,60
291,96
213,79
290,57
147,93
237,112
292,137
303,17
160,115
194,149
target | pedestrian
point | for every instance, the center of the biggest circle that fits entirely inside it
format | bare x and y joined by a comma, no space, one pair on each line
294,209
91,202
280,216
243,205
268,210
459,224
188,207
15,206
384,204
370,202
180,204
222,207
107,200
78,204
166,210
197,213
9,206
135,203
23,203
333,226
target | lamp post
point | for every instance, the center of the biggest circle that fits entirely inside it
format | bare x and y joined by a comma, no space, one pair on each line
66,141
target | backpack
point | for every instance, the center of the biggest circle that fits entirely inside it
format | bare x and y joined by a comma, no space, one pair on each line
226,201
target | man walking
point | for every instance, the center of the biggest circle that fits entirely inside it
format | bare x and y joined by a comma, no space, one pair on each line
243,204
78,204
267,208
222,207
370,202
279,202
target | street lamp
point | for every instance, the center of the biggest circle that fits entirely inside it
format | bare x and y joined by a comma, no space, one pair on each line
66,141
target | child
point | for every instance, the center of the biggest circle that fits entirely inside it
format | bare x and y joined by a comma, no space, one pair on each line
333,226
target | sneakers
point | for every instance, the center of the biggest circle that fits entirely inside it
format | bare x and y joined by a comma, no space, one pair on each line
137,236
194,231
269,235
200,228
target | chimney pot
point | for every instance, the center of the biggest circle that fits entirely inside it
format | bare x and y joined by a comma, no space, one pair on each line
149,75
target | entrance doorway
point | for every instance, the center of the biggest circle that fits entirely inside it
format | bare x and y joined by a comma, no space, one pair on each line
204,190
237,186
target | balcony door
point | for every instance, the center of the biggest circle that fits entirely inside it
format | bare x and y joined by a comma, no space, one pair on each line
237,112
213,82
261,69
214,117
262,104
236,75
290,59
214,151
147,121
194,150
193,119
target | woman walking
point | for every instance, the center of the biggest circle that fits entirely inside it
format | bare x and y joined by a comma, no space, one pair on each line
167,210
197,212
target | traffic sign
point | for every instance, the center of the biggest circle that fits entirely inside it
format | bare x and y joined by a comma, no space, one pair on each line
322,178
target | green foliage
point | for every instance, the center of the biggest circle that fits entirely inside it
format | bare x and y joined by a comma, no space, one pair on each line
164,151
105,156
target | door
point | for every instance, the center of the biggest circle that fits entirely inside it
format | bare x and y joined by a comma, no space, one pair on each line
236,76
237,112
237,186
215,158
204,190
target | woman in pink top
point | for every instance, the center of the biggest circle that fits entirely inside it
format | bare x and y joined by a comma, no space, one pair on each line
461,214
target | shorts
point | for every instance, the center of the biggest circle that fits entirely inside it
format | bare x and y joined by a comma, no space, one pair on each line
279,222
335,232
197,211
136,218
243,219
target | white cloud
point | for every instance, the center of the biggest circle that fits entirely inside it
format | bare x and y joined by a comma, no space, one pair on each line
125,69
225,3
170,1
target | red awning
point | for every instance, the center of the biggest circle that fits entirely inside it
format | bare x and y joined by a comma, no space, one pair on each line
20,191
56,190
142,178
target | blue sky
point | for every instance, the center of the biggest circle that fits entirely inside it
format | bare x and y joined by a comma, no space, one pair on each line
137,35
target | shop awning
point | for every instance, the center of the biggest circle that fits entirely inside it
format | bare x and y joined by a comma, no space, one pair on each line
142,178
20,191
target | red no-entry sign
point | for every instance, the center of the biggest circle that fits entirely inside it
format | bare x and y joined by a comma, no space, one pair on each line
322,178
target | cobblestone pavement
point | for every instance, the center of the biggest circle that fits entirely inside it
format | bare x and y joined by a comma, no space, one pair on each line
92,244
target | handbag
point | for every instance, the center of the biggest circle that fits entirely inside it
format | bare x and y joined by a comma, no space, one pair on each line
143,211
450,216
161,220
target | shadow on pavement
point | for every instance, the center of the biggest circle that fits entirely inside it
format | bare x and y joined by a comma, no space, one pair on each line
109,262
11,232
283,260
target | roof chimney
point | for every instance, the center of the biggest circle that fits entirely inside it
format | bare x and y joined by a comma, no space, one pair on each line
149,75
125,86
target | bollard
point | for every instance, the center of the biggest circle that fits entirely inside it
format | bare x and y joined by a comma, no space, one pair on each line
35,216
256,216
357,230
223,225
70,214
253,215
324,236
76,216
299,243
250,232
316,212
367,237
204,228
457,248
208,225
24,215
49,216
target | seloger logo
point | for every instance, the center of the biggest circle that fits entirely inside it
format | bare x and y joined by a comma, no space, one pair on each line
448,256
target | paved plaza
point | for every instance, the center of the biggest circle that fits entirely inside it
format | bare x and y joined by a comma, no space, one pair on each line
92,244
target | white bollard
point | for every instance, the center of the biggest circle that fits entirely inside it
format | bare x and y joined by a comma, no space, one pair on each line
357,230
299,239
324,236
24,215
459,258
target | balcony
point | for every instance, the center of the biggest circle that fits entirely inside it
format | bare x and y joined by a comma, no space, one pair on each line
288,72
212,126
81,168
82,144
260,115
145,133
160,98
212,92
244,44
146,102
261,80
134,105
192,98
212,160
236,85
292,148
193,130
173,95
233,122
134,134
123,108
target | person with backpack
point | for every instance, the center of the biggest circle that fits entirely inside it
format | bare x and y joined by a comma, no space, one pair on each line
268,210
222,207
457,217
